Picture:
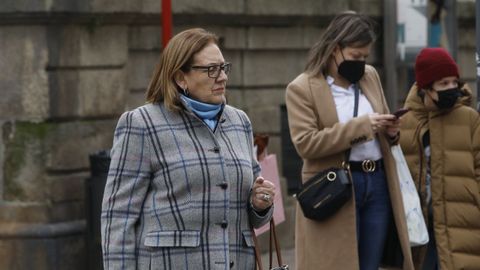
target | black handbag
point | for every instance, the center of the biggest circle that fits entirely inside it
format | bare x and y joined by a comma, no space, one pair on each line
327,191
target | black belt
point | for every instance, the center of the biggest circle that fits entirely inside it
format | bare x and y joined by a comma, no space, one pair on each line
366,165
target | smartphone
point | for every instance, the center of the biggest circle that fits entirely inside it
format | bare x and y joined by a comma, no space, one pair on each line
400,112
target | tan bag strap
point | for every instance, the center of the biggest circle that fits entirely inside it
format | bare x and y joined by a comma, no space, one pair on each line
258,258
273,239
278,250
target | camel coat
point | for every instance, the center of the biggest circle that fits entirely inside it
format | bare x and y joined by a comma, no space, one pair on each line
321,141
455,177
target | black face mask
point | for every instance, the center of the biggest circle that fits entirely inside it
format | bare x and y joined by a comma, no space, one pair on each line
447,98
351,70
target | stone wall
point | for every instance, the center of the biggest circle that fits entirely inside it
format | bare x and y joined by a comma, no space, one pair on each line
70,68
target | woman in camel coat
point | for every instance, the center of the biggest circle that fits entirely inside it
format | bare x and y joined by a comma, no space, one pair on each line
320,105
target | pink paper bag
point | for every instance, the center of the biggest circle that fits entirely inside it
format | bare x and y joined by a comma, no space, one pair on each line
270,172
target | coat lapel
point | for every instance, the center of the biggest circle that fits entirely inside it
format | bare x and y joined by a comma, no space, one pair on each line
369,91
324,103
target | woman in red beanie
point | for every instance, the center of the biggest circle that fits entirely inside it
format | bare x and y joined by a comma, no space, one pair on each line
440,138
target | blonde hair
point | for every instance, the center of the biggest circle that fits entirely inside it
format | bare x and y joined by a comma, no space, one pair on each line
177,55
348,29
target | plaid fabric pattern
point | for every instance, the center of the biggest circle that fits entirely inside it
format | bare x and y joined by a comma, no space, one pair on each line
177,193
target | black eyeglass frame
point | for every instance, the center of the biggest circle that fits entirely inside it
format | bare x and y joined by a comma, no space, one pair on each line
226,67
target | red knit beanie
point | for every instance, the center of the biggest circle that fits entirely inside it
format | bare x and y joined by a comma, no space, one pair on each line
433,64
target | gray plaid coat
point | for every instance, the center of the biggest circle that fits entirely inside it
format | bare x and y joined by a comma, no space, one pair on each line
177,193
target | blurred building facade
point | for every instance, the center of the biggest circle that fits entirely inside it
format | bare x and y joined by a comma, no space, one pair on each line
70,68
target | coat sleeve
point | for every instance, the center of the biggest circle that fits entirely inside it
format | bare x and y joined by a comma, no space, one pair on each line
476,147
127,184
256,219
313,141
386,109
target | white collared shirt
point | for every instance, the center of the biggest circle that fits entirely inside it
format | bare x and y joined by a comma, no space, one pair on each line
344,102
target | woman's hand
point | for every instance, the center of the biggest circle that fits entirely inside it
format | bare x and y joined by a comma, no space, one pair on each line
263,193
381,122
393,128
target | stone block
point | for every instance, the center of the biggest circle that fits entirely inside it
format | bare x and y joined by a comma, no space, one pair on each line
56,253
275,147
312,35
44,6
33,212
236,74
88,92
466,38
208,6
265,119
235,98
67,187
2,160
32,149
18,6
141,66
23,80
277,38
286,7
151,6
264,97
467,64
145,37
272,68
23,166
67,211
135,99
465,9
23,212
70,6
93,44
67,5
71,143
107,6
368,7
230,37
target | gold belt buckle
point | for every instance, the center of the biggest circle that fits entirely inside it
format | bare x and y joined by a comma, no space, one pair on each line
368,165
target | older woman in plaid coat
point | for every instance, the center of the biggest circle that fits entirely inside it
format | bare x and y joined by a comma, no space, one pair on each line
183,189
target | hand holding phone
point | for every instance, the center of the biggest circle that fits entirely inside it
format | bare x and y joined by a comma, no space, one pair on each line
400,112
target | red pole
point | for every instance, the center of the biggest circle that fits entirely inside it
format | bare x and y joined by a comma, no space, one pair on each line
166,21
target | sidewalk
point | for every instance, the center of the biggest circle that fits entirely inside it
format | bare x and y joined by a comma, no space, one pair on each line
288,257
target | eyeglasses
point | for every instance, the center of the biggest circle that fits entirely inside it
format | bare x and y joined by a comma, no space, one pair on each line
214,70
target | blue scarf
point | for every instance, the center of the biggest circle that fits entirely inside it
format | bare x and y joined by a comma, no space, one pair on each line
207,112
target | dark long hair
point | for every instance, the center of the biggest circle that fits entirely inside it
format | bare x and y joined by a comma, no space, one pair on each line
346,29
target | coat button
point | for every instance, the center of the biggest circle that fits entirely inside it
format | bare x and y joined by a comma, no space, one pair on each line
215,149
232,264
223,185
224,224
